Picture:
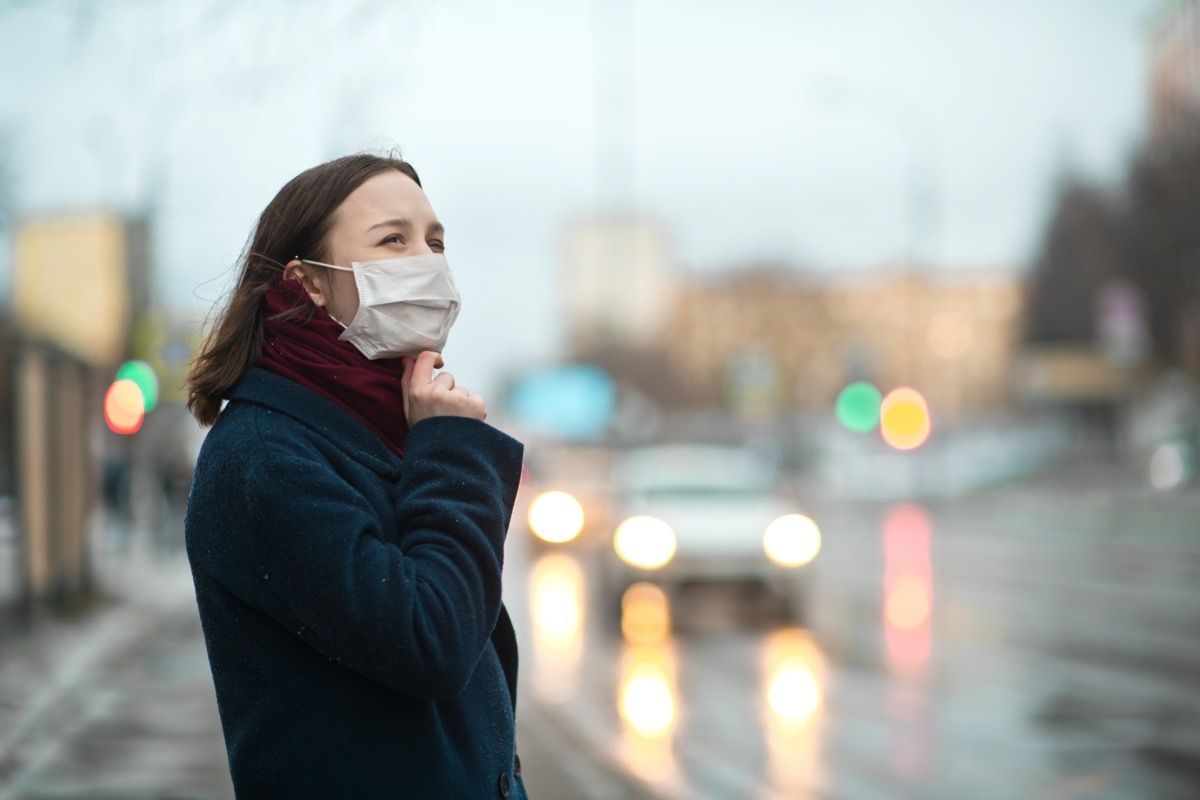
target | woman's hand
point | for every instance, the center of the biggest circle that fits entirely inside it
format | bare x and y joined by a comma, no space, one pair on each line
427,396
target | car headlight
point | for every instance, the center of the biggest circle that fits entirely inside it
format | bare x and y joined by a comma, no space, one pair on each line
792,540
645,542
555,517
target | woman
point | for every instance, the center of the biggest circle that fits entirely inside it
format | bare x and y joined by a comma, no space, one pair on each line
347,517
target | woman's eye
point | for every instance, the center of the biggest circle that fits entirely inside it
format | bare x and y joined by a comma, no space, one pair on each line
437,247
395,238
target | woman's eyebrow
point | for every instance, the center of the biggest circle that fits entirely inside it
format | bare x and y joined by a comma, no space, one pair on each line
404,224
391,223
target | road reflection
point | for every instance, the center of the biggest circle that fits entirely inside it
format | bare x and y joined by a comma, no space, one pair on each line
793,674
708,694
647,697
907,588
645,615
908,615
649,712
556,589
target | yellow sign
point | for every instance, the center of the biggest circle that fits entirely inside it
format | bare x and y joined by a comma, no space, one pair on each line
1071,373
71,284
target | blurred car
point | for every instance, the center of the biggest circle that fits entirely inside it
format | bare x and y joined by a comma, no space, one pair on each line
706,513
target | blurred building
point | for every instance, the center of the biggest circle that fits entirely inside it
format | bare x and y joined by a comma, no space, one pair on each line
765,339
79,282
618,275
951,338
1175,70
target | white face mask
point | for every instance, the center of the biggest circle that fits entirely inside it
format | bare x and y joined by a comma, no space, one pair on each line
405,305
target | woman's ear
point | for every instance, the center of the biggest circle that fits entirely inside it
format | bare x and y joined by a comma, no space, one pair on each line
310,279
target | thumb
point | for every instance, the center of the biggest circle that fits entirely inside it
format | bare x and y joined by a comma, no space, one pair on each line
406,374
406,382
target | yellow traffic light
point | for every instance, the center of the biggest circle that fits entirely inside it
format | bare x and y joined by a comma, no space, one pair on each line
904,419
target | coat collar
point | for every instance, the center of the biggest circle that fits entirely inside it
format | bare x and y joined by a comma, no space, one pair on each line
318,414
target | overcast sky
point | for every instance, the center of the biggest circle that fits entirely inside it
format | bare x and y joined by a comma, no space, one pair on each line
790,130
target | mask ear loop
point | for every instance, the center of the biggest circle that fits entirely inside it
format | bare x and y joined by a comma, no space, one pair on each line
287,272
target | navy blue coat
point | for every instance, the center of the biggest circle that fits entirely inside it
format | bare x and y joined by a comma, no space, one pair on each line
350,600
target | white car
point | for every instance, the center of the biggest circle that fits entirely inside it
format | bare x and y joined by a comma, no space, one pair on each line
699,513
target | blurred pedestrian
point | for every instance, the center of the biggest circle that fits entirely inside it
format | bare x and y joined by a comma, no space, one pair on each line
348,512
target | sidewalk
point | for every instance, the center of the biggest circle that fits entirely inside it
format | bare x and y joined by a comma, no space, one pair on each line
51,672
118,702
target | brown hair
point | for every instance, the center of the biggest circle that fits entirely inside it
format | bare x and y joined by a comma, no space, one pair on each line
295,223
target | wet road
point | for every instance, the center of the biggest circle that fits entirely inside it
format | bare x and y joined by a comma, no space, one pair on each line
1023,644
1016,645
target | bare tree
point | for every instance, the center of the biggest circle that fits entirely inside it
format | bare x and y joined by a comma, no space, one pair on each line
1163,224
1083,247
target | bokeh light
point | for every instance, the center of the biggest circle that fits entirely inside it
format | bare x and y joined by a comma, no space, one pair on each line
1168,467
645,614
908,588
557,601
645,542
144,376
908,603
904,419
555,517
793,670
793,693
792,540
124,407
556,595
793,689
647,703
906,535
858,407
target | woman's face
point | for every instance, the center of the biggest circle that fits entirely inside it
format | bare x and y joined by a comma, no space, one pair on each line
389,216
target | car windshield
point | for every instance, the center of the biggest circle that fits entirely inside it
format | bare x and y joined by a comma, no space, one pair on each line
683,493
692,473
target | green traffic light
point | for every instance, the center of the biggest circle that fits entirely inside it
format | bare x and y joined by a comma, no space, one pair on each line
858,407
143,375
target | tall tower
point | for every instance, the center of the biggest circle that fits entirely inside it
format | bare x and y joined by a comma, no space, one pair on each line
618,281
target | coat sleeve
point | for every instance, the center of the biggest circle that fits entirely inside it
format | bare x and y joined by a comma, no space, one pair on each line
411,609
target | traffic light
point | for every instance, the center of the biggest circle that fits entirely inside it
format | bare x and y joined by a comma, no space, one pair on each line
904,419
144,376
858,407
131,396
902,416
124,406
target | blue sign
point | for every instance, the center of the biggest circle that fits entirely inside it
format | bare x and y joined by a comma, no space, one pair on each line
571,403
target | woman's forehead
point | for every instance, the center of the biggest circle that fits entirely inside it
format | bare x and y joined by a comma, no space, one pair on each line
388,195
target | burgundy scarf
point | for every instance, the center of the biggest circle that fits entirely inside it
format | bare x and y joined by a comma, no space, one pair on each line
309,352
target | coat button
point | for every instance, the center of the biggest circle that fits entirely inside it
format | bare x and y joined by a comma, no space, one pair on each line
504,787
516,766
